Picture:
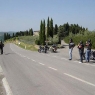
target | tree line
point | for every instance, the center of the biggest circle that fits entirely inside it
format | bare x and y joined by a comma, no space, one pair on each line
49,30
21,33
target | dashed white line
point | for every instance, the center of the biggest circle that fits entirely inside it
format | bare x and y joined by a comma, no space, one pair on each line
52,68
48,55
33,60
41,63
80,79
28,58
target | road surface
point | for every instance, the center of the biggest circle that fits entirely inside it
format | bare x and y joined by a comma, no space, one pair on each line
33,73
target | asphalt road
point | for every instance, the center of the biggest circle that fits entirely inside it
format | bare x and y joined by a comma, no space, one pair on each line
33,73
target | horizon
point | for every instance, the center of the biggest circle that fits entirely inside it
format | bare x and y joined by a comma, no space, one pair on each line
21,15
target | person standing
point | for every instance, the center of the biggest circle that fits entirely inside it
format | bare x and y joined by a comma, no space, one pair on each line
81,51
1,47
71,46
88,50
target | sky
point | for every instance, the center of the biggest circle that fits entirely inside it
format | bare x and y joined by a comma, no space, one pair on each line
21,15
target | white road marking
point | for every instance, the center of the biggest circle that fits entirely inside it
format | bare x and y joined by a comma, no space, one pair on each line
41,63
80,79
84,63
27,57
33,60
6,86
52,68
52,56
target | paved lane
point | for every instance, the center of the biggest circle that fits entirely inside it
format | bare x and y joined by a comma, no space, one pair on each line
32,73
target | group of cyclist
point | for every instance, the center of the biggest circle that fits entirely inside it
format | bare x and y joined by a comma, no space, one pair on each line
80,47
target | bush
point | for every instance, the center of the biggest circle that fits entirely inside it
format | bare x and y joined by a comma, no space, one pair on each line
37,42
79,37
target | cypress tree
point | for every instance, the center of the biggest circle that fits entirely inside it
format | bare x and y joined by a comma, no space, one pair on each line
47,34
40,33
51,28
55,29
43,33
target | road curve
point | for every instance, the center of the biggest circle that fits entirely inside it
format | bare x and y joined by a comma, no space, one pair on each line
33,73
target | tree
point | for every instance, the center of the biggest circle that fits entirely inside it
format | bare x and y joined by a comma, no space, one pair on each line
5,36
47,34
61,31
13,35
43,33
55,29
26,33
40,33
51,28
31,32
9,36
17,34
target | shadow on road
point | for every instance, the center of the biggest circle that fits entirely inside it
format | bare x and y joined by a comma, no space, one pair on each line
9,53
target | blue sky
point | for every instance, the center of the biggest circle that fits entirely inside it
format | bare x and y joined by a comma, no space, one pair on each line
20,15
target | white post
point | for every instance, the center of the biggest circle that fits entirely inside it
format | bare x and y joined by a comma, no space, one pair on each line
25,47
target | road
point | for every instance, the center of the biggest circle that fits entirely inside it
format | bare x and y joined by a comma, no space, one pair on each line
33,73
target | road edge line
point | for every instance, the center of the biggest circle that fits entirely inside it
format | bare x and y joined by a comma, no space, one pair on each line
6,86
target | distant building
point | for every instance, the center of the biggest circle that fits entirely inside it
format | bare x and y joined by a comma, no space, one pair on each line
36,33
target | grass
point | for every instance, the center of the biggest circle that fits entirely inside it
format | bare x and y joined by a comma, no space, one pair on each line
27,46
28,42
25,42
28,39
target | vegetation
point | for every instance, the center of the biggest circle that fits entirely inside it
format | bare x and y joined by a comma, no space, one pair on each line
17,34
82,37
54,34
